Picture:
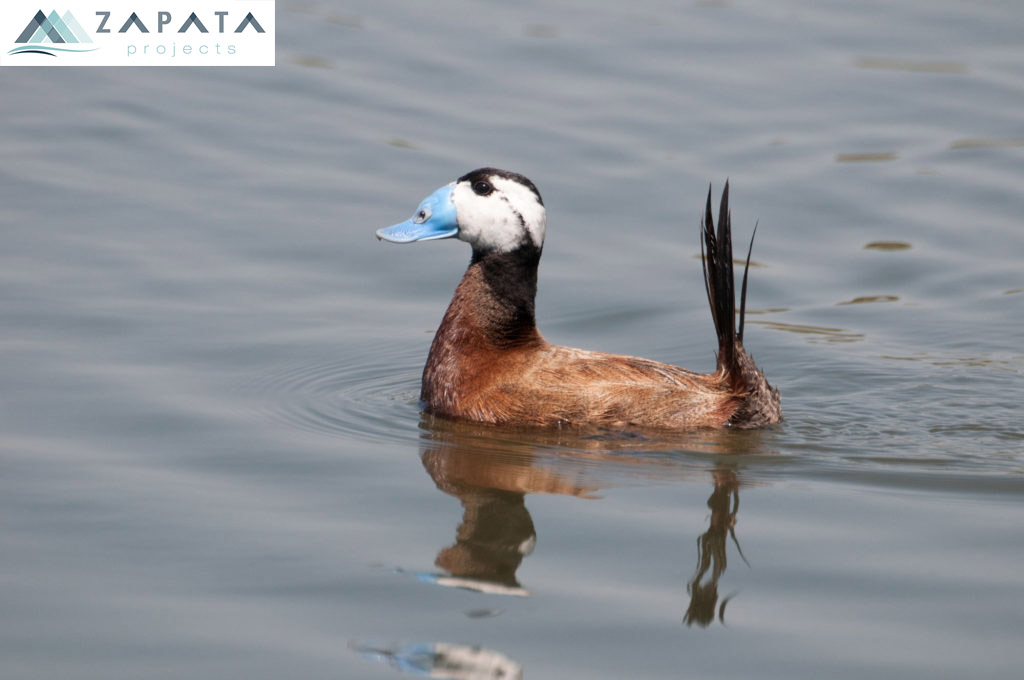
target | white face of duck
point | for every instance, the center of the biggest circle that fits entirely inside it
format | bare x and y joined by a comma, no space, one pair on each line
492,210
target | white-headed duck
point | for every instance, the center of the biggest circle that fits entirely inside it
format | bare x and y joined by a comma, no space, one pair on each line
488,363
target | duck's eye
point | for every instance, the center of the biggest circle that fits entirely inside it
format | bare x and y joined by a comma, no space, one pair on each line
482,188
422,216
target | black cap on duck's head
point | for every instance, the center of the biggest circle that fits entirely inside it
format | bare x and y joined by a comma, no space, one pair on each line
492,210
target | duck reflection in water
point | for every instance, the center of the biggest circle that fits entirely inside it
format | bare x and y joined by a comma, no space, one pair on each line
495,535
712,552
491,474
491,479
444,660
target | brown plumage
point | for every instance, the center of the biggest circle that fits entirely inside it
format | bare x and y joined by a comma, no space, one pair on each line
488,362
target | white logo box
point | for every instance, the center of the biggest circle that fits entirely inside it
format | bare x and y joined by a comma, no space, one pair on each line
137,33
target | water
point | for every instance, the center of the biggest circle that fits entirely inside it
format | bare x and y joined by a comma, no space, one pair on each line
213,462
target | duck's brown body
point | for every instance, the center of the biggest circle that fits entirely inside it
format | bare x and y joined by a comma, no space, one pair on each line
478,371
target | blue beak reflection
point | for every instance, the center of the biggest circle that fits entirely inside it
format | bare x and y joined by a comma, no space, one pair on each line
435,218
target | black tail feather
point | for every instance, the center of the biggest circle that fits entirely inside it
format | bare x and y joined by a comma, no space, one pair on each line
743,292
760,401
720,284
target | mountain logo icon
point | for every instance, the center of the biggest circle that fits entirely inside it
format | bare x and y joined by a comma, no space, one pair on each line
46,34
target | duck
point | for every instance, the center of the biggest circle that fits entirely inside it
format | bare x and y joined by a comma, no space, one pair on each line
488,363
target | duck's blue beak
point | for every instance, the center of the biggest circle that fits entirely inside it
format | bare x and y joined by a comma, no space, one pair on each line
434,219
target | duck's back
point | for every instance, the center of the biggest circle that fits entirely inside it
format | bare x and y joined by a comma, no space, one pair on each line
555,385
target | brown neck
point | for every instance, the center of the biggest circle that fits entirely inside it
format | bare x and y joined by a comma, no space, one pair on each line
492,311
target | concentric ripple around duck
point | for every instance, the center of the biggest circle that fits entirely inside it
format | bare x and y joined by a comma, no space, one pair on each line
367,396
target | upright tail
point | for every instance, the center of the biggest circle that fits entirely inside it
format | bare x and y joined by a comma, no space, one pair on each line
720,284
761,403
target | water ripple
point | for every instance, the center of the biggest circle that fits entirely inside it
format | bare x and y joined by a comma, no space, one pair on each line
370,396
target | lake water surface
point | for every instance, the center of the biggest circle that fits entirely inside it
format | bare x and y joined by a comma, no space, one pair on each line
212,459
